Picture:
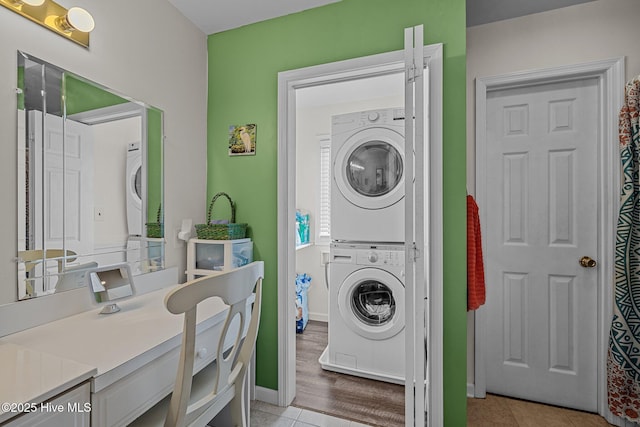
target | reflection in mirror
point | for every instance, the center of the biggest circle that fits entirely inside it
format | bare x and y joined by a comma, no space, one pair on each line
109,284
90,182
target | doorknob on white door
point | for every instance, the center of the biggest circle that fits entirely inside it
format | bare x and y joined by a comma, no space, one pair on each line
587,262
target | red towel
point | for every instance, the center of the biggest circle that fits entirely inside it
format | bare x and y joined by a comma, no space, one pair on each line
476,292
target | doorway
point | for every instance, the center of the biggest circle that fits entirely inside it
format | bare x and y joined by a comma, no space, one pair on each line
316,389
375,65
534,321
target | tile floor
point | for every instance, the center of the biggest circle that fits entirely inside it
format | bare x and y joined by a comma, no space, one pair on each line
265,415
500,411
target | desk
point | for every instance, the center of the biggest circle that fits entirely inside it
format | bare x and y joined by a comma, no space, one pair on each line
132,355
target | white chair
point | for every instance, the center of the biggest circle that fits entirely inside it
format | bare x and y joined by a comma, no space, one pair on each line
34,257
195,403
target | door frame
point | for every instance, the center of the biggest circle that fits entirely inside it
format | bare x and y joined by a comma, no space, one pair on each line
288,82
610,79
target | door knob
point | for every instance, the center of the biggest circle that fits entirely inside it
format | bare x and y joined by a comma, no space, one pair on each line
587,262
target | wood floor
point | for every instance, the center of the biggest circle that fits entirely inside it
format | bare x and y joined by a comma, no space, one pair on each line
382,404
358,399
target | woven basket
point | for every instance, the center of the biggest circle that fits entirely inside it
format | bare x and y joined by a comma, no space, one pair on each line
156,229
228,231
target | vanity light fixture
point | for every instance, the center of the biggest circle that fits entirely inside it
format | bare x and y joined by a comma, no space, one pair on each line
27,2
74,24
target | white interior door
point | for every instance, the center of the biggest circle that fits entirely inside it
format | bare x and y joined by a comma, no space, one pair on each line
541,219
64,159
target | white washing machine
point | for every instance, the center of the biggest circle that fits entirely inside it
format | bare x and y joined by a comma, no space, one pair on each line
366,311
367,191
134,189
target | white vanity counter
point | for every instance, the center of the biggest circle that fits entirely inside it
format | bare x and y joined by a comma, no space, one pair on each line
28,375
130,355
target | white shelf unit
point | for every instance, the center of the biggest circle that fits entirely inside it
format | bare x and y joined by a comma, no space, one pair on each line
207,256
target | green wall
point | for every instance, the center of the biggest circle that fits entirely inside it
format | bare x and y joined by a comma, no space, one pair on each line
243,70
21,86
83,96
155,162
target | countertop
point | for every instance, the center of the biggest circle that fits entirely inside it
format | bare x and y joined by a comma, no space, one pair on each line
28,375
43,361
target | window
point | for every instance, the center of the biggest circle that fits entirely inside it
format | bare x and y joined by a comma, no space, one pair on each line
324,200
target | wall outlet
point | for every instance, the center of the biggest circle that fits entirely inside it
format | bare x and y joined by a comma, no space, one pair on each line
324,257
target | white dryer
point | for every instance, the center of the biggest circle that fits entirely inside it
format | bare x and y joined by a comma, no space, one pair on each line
367,191
134,189
134,192
366,311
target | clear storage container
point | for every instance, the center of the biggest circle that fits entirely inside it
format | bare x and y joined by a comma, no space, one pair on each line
204,256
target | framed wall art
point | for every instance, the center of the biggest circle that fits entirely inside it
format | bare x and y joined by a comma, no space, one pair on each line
242,140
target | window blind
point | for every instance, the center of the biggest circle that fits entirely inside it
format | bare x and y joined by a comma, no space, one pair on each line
324,205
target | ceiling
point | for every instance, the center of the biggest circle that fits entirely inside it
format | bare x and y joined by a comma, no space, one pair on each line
214,16
485,11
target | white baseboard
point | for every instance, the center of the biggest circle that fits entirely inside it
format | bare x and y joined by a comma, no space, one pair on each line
267,395
471,390
320,317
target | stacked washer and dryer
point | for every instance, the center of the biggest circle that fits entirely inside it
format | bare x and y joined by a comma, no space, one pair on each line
366,279
134,250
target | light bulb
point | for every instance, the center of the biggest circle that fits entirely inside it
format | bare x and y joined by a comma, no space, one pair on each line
76,19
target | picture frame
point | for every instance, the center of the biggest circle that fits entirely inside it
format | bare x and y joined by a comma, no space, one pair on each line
242,140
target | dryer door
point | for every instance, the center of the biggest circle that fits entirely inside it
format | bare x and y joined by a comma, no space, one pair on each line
371,303
369,168
134,192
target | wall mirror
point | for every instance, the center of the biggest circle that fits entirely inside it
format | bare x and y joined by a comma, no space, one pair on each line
90,180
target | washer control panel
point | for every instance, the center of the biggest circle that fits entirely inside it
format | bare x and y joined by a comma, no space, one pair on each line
360,253
386,116
379,257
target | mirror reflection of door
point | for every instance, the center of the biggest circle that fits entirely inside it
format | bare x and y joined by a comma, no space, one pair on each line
62,188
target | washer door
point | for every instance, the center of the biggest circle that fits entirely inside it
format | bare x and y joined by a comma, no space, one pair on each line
371,303
369,168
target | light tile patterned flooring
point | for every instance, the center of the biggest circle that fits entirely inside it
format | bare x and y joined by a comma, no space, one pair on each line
265,415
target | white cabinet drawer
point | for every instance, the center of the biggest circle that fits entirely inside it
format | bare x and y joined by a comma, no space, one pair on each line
70,409
126,399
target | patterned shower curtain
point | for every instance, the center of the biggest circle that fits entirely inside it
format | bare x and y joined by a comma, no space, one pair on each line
623,361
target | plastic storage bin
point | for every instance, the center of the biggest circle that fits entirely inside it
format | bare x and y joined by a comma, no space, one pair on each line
302,227
303,281
204,256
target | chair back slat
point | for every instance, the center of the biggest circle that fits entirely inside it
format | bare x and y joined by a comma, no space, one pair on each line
182,389
234,287
225,363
